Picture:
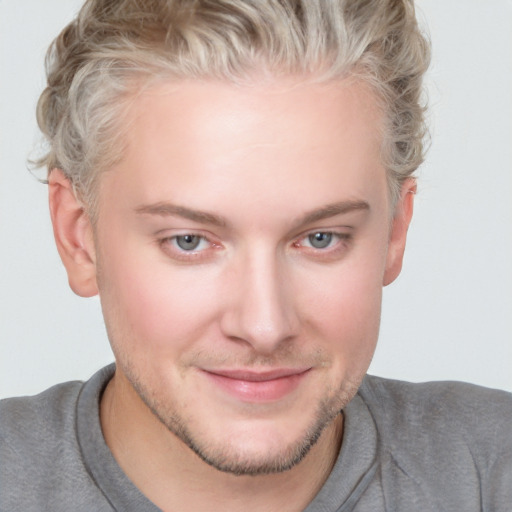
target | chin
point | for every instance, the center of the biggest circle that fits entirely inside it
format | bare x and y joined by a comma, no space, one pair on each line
251,446
255,451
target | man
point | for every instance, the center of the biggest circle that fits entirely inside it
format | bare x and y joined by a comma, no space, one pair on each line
235,180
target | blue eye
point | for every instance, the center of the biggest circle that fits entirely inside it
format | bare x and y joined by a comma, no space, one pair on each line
320,239
189,247
188,242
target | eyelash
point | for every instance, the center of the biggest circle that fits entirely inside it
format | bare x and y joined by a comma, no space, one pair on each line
338,237
168,244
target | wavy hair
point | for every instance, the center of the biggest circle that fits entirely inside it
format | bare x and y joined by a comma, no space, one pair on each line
114,47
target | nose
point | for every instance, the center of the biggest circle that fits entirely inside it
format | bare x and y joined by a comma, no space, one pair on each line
261,309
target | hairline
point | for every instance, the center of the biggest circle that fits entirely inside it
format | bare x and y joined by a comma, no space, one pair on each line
144,82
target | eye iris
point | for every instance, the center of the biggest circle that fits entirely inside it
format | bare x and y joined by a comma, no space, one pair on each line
188,242
320,240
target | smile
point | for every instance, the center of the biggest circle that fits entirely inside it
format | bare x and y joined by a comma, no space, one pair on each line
257,387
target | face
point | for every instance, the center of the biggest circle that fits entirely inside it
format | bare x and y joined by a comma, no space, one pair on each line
241,248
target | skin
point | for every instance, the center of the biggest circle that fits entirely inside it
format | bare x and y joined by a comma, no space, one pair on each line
266,166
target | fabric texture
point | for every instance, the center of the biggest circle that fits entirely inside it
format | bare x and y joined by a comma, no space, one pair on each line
440,446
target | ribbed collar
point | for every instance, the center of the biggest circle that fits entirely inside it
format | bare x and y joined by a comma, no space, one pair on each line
353,471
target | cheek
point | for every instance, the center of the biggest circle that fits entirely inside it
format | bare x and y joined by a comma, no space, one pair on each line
344,305
153,306
350,303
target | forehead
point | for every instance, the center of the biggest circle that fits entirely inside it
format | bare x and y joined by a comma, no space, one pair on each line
276,112
199,143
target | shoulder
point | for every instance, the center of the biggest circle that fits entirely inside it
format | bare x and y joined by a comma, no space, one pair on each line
34,422
41,463
465,407
37,433
447,409
451,438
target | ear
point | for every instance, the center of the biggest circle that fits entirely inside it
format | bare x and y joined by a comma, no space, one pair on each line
398,233
73,235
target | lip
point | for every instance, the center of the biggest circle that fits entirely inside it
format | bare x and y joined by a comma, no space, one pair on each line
257,386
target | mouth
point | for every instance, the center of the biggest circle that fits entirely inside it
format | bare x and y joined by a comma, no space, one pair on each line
257,386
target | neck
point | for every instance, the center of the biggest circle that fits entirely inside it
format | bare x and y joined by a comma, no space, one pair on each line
173,477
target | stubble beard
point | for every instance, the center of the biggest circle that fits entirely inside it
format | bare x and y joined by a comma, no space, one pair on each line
231,461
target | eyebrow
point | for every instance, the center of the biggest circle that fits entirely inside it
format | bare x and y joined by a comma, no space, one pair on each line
164,209
331,210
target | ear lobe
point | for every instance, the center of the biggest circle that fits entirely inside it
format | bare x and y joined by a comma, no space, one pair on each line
73,235
398,234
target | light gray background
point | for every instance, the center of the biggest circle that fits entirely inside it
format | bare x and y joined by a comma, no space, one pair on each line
449,316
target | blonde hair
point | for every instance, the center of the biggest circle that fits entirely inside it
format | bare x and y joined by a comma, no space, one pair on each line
113,48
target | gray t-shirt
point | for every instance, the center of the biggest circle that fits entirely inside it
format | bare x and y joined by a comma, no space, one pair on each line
406,447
